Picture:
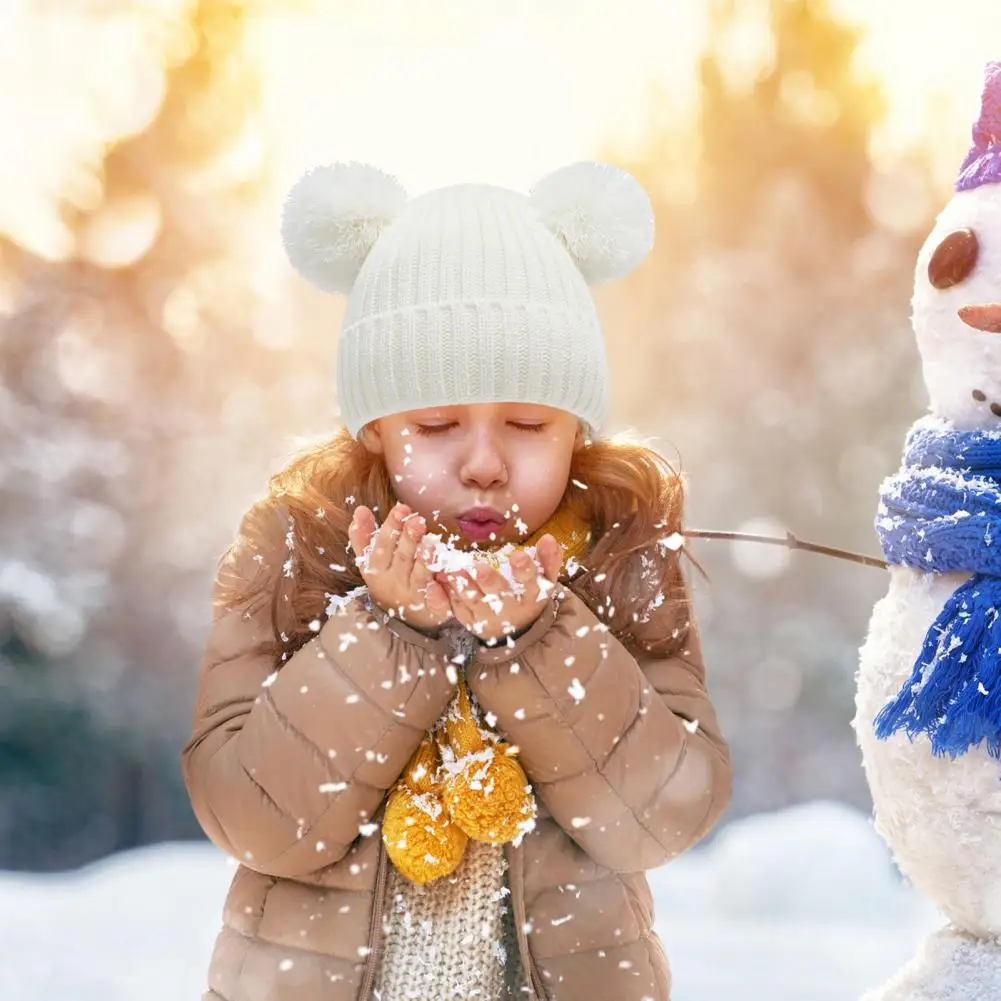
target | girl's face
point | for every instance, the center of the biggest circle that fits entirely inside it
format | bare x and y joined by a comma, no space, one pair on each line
489,472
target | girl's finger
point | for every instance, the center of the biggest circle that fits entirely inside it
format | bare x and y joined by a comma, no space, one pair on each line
524,568
489,580
360,529
436,597
456,599
386,539
470,606
550,554
421,577
461,589
411,533
494,589
526,573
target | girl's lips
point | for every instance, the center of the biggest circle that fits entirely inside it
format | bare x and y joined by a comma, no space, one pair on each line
479,529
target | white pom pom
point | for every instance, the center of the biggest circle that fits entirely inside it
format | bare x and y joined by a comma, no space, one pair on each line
601,213
332,217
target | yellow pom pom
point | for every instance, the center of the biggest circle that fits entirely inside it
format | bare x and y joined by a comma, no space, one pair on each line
421,839
422,769
461,729
489,796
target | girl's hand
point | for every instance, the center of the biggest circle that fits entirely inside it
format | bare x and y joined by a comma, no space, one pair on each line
485,603
395,568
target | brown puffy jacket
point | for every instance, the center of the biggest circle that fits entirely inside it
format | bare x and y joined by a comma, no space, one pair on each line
288,770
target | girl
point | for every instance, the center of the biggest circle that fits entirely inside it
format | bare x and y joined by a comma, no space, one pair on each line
452,705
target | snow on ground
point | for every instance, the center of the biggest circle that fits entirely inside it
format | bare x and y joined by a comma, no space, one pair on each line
800,904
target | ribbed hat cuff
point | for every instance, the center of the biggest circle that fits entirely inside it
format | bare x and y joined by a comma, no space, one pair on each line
471,351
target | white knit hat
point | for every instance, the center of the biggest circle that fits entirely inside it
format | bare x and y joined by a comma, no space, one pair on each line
468,294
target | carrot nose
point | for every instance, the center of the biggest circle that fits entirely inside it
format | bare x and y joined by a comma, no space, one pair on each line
983,317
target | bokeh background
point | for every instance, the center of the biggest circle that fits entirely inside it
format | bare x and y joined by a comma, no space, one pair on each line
158,357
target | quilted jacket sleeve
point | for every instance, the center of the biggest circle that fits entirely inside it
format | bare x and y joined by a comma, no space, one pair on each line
284,767
626,754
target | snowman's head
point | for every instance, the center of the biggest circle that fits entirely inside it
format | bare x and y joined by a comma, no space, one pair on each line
957,310
957,284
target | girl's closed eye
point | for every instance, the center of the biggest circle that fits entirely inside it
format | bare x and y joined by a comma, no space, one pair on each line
532,427
430,429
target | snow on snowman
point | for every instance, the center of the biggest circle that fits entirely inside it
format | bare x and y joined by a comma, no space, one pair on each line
928,702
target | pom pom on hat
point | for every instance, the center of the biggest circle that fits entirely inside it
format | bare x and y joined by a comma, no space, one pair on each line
602,215
332,217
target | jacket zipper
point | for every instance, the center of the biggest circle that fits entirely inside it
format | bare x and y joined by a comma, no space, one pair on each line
375,932
516,877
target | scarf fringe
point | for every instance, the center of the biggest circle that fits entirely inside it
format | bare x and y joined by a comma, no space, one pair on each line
954,692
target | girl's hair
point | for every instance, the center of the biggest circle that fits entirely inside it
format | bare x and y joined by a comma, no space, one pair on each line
632,499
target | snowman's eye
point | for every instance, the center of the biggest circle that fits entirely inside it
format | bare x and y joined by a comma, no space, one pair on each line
954,259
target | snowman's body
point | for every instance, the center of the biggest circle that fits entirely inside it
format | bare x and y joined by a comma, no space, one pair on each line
941,815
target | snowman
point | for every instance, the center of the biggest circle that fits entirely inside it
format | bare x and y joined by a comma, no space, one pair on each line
928,702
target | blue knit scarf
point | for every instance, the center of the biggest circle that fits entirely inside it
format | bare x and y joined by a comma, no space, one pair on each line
942,512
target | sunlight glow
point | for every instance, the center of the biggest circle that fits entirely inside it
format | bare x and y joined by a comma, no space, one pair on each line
501,91
505,92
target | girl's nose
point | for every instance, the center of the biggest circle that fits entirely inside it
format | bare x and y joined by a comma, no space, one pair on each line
484,465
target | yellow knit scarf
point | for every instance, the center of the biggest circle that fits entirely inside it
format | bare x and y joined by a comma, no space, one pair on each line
463,781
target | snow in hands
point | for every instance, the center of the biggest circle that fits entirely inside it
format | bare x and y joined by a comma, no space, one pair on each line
426,578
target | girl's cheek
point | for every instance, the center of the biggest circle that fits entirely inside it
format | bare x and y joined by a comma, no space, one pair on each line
420,472
540,480
423,487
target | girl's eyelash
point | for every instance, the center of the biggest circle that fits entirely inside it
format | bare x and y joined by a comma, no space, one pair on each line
431,429
427,429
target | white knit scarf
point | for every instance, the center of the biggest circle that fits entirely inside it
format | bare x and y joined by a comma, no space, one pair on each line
453,939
